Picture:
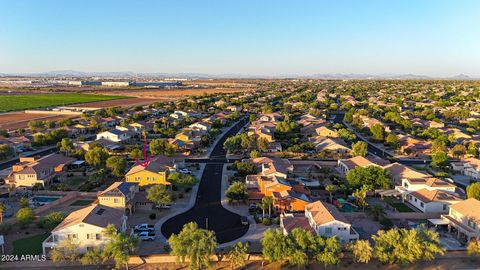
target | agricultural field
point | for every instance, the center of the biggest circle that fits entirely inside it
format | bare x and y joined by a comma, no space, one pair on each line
10,103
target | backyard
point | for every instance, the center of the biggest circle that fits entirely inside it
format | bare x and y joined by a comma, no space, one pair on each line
29,246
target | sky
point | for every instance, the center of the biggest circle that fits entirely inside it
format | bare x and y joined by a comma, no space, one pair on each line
249,37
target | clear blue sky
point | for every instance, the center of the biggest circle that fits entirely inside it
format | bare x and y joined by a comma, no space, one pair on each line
431,37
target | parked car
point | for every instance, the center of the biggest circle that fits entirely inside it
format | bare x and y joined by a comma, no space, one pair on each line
163,206
146,236
244,220
253,208
185,171
144,228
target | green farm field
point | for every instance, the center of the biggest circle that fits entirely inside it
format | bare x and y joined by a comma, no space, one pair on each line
10,103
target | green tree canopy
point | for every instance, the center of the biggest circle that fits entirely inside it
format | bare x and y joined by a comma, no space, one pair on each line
237,192
371,176
117,165
182,180
359,149
473,191
96,156
194,244
159,195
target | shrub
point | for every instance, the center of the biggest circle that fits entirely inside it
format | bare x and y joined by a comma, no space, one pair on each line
152,216
266,221
5,228
386,223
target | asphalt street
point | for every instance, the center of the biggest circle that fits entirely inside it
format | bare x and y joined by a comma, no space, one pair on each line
208,211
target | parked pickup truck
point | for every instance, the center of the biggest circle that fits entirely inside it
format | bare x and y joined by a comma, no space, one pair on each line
144,228
146,236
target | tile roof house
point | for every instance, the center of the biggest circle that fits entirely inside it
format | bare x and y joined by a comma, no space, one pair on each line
30,170
328,221
114,135
119,195
399,171
432,201
330,145
469,167
86,227
464,217
156,172
345,165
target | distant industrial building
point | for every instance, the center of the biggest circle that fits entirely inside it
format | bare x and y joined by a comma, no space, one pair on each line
126,84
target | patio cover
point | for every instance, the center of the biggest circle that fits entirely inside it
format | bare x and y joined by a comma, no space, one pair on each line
438,221
387,192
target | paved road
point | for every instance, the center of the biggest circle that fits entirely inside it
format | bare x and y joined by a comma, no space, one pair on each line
208,211
374,149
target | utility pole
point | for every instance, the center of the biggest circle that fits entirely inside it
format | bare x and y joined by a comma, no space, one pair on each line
206,223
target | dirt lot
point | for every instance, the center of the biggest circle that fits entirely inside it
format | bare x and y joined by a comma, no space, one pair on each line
127,102
20,119
165,94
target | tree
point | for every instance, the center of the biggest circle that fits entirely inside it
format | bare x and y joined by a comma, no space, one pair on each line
24,216
51,220
119,247
117,165
371,176
65,251
66,146
330,189
92,257
255,154
376,211
262,144
392,140
362,250
6,151
458,150
23,202
194,244
406,246
237,192
161,147
238,255
359,149
159,195
232,144
473,191
275,246
96,156
346,134
182,180
136,154
473,248
2,209
360,196
267,201
440,159
378,132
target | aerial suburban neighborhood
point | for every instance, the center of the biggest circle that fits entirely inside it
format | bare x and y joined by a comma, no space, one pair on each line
239,134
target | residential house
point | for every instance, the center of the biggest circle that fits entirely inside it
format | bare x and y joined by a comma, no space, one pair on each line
119,195
432,201
345,165
327,221
86,227
464,219
469,167
324,144
31,170
399,171
156,172
326,132
114,135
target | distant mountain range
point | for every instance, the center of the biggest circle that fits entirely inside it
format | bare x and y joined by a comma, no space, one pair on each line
342,76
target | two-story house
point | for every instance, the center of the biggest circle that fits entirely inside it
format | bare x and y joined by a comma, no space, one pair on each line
156,172
86,228
119,195
464,219
31,170
327,221
114,135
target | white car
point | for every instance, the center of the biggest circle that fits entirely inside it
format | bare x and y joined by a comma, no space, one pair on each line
185,171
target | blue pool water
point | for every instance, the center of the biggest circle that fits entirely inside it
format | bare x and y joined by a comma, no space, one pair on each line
347,207
44,199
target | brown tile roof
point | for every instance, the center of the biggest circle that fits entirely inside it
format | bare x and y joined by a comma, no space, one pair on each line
323,212
95,214
469,208
430,181
427,196
292,222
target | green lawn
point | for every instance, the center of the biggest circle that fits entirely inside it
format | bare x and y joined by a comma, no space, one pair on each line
81,202
75,181
29,246
401,207
23,102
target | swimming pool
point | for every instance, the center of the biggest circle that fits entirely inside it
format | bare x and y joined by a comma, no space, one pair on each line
42,200
348,207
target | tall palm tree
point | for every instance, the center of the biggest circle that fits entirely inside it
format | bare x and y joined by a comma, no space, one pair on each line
331,189
2,209
268,201
376,211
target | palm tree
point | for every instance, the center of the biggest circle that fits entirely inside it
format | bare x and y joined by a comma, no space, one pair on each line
330,189
268,201
2,209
